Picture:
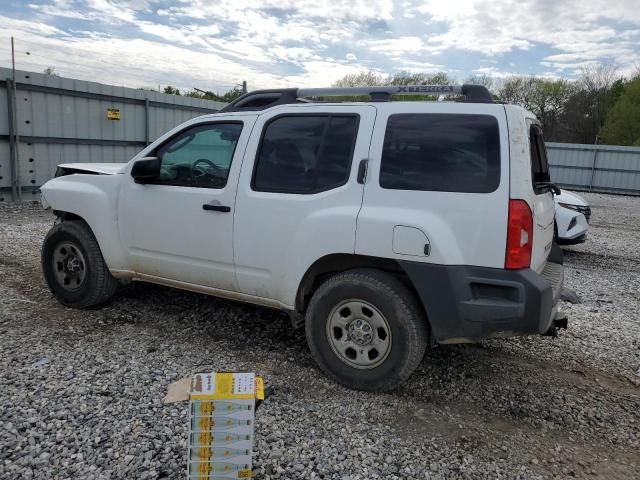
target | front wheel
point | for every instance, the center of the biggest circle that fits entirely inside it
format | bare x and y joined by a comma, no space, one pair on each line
73,266
366,330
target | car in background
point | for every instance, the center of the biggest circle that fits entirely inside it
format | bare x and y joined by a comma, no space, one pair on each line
573,215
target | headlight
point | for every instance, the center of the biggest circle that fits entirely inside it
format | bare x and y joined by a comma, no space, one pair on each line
575,208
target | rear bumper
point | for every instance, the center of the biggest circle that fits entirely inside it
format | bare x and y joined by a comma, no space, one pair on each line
467,304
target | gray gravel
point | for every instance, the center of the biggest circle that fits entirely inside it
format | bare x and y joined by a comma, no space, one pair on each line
81,391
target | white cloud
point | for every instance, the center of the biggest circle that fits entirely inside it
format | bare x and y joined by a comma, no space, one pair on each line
397,46
321,74
285,42
403,65
11,26
502,26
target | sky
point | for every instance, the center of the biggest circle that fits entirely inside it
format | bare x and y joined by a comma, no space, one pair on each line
215,45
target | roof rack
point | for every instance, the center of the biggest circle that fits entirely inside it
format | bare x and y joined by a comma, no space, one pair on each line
261,99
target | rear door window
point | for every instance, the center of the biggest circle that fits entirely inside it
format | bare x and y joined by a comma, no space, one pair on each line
305,154
441,152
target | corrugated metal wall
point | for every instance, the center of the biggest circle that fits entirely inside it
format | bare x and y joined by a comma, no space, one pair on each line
597,168
62,120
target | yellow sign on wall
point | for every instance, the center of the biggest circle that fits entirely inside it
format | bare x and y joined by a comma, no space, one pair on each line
113,114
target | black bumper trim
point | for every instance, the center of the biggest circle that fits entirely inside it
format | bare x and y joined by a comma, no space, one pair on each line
467,304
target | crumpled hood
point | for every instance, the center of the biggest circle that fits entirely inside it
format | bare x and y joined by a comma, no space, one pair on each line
100,168
571,198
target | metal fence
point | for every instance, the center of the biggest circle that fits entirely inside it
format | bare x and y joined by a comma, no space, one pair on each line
46,120
595,168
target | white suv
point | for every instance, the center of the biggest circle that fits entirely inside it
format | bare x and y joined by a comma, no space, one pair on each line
381,226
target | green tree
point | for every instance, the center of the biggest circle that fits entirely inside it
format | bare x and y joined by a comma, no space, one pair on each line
231,95
546,99
622,124
169,90
586,108
50,71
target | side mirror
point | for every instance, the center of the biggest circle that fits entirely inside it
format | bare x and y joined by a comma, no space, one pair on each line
146,169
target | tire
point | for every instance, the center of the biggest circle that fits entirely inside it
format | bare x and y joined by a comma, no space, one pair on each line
74,268
335,336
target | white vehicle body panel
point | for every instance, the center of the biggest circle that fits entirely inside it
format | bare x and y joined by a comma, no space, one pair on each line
278,236
570,223
102,168
260,251
542,206
564,220
571,198
166,232
94,199
448,219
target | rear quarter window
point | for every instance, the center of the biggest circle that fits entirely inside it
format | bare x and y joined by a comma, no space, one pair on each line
539,161
441,152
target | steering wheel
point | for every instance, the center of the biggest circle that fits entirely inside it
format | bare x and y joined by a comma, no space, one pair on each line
198,172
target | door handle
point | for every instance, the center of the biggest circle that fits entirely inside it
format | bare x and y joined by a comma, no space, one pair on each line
362,170
216,208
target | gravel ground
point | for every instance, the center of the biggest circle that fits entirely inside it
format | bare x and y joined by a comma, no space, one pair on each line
522,408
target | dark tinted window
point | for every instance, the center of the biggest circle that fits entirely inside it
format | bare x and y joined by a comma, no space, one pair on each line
539,162
305,154
441,152
200,156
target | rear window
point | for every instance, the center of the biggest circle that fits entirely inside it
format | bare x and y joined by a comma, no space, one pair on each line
441,152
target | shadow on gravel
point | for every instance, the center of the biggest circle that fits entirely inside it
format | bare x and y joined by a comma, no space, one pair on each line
580,258
241,326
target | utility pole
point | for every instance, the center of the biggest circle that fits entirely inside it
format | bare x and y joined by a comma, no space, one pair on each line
13,60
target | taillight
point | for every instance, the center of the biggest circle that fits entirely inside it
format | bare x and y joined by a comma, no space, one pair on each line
519,235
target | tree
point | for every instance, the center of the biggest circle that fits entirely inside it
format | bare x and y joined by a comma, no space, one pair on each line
50,71
169,90
361,79
490,83
407,78
232,94
586,108
374,79
228,97
546,99
622,124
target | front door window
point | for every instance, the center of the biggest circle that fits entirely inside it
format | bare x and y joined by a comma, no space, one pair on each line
200,156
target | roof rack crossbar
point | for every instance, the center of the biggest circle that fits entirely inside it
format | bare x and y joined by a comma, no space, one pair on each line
258,99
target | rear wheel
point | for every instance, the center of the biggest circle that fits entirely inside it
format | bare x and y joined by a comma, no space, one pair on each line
74,268
366,330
